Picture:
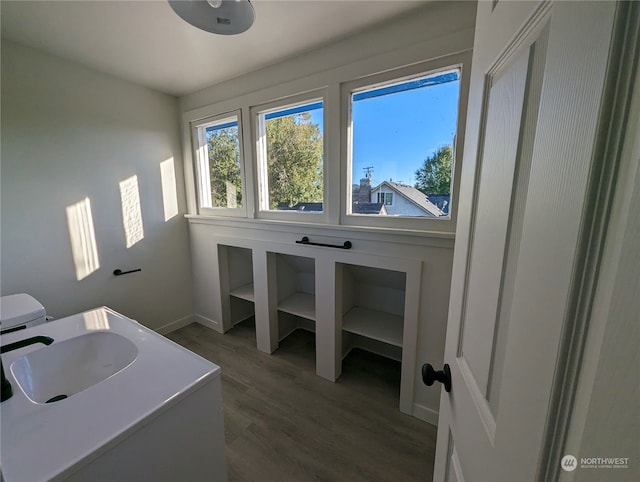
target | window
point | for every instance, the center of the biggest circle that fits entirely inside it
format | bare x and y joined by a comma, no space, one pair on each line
219,159
374,150
289,154
402,138
385,198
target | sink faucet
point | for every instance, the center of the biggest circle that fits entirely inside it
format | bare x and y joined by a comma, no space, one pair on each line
7,391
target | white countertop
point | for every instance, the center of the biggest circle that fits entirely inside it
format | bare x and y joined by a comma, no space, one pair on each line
43,441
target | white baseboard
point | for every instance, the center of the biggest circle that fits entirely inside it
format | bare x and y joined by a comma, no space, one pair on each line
208,322
175,325
425,414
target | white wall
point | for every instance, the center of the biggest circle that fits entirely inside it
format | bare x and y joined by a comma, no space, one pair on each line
431,33
70,133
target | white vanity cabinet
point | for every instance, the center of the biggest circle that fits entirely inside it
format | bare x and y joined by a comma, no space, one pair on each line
183,442
158,418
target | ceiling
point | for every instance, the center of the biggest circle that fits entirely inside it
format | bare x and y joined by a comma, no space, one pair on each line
147,43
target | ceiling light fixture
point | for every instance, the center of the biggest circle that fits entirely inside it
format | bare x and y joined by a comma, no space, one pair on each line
225,17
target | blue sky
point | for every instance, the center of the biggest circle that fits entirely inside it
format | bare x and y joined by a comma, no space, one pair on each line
394,133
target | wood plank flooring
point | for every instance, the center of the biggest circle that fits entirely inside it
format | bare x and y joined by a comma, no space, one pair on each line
284,423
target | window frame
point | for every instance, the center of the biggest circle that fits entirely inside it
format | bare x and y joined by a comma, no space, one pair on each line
260,178
390,77
332,87
202,168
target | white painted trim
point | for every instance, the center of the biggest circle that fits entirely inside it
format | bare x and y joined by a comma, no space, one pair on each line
427,53
425,414
431,49
175,325
201,167
610,218
458,60
208,322
258,156
457,466
394,236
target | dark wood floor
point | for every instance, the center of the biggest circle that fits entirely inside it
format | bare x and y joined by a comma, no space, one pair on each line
284,423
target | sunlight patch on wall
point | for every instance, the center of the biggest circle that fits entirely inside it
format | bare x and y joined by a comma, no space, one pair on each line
169,194
131,213
83,238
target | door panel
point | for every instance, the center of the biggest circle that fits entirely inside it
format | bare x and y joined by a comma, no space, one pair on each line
495,185
536,86
537,55
454,470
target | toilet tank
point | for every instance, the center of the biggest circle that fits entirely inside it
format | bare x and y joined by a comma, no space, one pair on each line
20,310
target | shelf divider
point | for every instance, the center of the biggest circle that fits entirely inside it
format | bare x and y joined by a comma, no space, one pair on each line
244,292
374,324
299,304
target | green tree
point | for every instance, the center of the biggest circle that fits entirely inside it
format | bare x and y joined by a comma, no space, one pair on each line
294,160
434,176
224,165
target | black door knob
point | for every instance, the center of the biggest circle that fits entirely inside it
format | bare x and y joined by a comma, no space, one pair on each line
429,376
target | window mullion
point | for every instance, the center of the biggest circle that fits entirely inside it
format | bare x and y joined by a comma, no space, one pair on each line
204,171
261,160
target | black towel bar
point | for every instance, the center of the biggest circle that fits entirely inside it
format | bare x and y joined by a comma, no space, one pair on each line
305,240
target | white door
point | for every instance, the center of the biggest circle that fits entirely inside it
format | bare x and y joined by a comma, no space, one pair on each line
537,83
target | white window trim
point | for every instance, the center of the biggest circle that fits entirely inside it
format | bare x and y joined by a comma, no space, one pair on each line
201,164
337,176
261,191
456,61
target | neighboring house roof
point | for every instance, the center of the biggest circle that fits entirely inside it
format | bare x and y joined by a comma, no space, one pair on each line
307,207
441,200
412,194
368,208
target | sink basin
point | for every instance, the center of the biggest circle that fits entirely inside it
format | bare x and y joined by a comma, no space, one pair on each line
133,400
63,369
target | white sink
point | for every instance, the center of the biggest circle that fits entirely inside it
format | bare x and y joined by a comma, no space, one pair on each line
63,369
138,406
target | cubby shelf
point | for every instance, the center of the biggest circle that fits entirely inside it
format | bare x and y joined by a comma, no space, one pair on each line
299,304
374,324
244,292
363,304
236,283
